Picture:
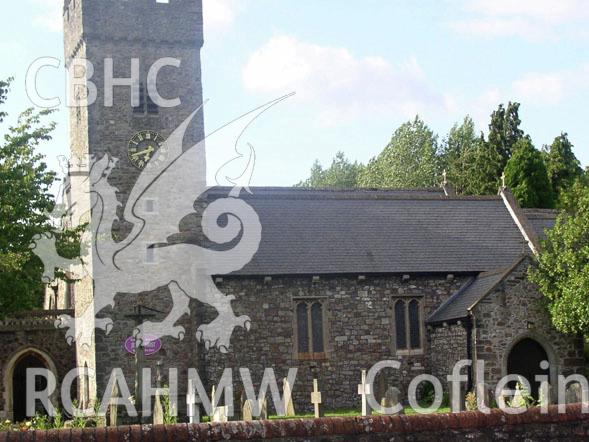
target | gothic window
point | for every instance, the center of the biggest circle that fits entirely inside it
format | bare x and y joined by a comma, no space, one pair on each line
408,325
310,329
414,325
400,326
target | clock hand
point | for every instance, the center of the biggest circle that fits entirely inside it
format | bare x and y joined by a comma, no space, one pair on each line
145,152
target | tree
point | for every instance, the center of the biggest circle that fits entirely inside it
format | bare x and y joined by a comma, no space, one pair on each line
409,160
527,176
459,156
342,174
562,266
25,201
504,131
563,166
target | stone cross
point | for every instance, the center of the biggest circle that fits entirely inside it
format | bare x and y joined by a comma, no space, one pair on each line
316,399
364,390
192,404
289,406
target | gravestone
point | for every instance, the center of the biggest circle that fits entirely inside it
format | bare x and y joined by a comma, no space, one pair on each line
287,391
316,399
113,411
518,400
219,412
263,409
391,399
574,393
247,412
364,390
158,409
192,402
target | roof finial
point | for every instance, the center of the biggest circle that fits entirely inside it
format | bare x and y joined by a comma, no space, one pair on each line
445,178
503,177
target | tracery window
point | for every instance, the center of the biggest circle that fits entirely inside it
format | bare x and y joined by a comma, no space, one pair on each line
310,329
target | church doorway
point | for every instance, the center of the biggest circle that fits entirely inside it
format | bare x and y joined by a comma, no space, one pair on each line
525,359
16,382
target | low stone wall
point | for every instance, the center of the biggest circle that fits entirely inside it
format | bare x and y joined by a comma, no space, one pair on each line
573,425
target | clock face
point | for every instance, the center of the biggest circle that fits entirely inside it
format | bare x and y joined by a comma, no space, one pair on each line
143,146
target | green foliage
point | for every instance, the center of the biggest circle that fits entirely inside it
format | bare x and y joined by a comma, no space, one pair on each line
504,131
562,267
342,174
410,160
527,176
25,185
458,155
563,166
170,414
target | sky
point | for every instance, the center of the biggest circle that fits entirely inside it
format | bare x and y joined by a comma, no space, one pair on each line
359,70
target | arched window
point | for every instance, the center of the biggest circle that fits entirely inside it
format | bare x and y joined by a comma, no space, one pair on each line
310,329
400,327
408,335
303,327
317,327
414,325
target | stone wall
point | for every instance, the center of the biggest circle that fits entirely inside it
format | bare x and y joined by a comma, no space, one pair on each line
514,311
448,346
574,425
37,334
359,332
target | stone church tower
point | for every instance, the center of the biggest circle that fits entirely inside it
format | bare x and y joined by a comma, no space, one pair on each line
128,38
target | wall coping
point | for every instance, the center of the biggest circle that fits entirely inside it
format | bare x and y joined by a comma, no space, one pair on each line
301,428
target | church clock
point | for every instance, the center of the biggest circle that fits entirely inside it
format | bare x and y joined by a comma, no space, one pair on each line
143,146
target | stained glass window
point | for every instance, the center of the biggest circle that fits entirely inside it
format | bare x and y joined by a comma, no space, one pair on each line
400,327
414,325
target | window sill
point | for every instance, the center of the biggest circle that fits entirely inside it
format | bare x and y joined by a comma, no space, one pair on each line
414,352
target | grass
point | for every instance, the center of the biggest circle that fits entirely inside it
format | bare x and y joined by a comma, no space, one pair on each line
350,413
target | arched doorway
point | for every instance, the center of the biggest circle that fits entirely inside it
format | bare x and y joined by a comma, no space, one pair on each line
15,381
524,359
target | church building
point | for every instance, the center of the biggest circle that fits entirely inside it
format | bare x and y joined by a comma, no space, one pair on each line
342,279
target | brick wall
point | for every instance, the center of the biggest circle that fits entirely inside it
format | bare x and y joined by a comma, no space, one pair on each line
574,425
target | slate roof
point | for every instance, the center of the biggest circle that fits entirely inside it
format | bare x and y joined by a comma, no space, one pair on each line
475,289
541,220
316,232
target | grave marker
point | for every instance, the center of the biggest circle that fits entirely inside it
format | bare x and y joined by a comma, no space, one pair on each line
364,390
316,399
192,404
289,405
